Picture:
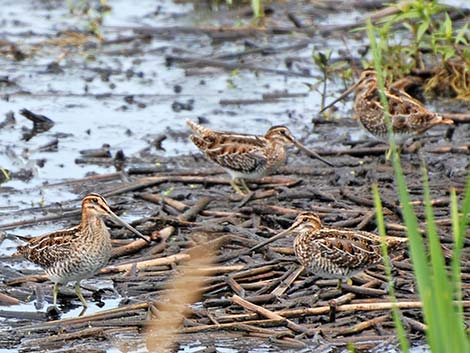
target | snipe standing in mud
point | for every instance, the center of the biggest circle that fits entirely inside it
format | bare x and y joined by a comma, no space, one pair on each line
78,252
246,156
408,116
331,252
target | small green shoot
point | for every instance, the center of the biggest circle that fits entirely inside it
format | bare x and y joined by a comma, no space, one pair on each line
257,6
321,59
168,192
6,175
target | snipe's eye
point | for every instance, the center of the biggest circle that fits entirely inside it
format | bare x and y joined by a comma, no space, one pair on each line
94,200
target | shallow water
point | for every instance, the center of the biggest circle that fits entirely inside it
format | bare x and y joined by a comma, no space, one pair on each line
77,308
84,121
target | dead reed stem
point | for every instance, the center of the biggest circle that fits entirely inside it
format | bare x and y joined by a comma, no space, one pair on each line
183,290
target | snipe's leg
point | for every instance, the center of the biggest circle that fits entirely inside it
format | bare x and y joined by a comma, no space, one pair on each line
54,293
339,284
388,155
79,294
235,187
245,186
333,304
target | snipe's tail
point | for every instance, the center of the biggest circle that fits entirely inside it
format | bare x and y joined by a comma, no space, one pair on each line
443,121
197,129
396,242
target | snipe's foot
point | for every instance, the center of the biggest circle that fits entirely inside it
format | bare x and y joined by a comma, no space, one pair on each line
79,294
236,188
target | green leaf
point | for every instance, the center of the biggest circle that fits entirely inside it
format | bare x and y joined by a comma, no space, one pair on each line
448,30
423,27
460,38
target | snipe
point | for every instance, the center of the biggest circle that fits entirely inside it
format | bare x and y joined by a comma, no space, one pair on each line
246,156
332,252
408,116
78,252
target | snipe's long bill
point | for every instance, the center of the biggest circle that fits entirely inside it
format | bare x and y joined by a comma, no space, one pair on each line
246,156
332,252
408,116
78,252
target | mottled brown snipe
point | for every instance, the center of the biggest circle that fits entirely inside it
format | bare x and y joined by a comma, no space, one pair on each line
408,116
76,253
246,156
331,252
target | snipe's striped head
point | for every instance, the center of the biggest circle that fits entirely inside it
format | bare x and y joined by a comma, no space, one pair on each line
280,133
95,205
367,80
368,75
306,221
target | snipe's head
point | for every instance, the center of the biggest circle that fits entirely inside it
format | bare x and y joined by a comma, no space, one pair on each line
367,75
303,223
94,205
306,221
282,134
367,79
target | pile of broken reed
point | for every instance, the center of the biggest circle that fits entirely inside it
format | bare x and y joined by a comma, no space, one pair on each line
265,295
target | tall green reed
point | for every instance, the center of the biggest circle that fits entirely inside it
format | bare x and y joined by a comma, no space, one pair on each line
440,291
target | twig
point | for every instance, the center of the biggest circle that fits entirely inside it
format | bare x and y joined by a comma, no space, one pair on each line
8,300
140,265
139,244
224,326
191,213
95,332
281,289
86,319
341,308
269,314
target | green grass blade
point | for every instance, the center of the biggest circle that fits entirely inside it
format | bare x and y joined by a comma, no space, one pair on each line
442,288
416,246
404,344
445,330
460,333
459,236
459,226
257,7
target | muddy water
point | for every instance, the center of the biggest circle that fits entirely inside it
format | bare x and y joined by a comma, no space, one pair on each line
90,109
84,119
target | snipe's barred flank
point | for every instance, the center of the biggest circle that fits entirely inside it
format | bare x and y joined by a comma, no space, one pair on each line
331,252
76,253
246,156
408,116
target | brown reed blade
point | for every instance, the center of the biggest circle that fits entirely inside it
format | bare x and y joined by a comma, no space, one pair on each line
162,332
